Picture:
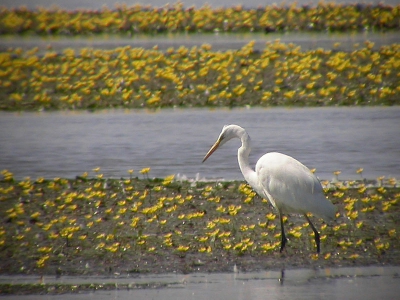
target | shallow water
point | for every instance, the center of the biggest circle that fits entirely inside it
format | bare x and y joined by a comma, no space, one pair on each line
66,144
219,41
332,283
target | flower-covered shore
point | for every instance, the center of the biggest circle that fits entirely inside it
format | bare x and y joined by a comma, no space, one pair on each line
146,19
94,225
126,77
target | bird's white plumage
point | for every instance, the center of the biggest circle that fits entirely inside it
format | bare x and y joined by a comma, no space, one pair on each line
289,185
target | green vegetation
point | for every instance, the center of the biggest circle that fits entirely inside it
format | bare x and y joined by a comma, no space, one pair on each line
177,18
281,74
97,226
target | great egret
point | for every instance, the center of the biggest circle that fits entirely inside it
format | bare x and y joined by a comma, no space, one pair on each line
284,181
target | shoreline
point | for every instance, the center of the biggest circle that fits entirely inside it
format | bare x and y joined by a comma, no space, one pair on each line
47,285
135,228
145,226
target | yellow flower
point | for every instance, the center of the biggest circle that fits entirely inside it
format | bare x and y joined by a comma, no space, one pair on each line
270,216
262,225
353,215
41,262
294,233
35,215
289,94
212,98
203,239
182,248
361,190
239,90
134,222
269,247
153,99
144,171
45,249
168,180
310,85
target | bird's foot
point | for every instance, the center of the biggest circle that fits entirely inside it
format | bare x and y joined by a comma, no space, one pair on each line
283,243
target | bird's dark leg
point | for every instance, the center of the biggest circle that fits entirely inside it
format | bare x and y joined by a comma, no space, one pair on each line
316,234
283,236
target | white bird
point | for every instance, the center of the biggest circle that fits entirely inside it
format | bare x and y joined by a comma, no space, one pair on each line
288,184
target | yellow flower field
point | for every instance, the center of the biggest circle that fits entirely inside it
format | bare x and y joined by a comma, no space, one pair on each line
146,19
280,74
161,225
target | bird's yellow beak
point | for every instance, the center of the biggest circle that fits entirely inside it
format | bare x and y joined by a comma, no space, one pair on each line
211,151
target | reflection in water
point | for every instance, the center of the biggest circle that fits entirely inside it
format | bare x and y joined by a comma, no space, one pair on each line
361,283
282,276
66,144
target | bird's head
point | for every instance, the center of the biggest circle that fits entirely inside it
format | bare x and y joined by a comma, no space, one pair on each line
228,132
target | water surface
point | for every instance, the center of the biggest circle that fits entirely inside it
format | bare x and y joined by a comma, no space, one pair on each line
66,144
218,41
361,283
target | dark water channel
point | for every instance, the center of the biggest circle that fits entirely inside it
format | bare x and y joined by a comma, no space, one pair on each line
66,144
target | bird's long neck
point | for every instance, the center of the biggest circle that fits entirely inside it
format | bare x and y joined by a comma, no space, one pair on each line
243,158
